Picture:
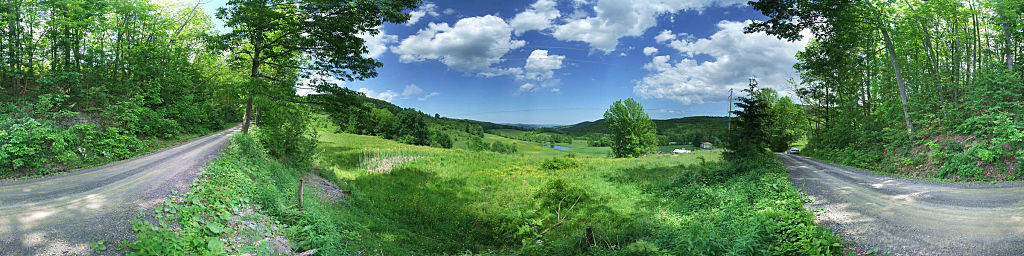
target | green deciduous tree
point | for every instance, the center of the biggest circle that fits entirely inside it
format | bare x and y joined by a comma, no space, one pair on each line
315,36
634,132
788,123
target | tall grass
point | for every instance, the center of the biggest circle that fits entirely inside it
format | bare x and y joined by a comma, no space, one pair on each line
382,161
539,202
438,201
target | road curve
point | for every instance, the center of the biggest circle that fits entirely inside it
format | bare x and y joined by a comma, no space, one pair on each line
904,216
63,214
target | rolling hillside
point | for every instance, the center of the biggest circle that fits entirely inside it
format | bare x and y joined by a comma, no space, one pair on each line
706,123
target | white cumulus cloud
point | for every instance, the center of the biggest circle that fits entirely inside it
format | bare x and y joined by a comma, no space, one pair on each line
411,90
427,8
385,96
616,19
537,17
736,57
538,86
472,45
377,44
540,65
665,35
650,51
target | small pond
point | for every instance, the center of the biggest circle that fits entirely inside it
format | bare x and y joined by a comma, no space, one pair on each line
556,147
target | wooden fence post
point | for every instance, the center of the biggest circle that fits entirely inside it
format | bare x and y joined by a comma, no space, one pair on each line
300,194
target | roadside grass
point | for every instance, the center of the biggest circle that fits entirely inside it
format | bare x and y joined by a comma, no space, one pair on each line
241,203
456,201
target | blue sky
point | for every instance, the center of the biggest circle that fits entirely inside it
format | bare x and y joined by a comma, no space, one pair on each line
564,62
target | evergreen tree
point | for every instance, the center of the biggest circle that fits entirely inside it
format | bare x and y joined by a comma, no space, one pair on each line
749,139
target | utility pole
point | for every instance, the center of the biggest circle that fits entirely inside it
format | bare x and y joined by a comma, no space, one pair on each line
730,110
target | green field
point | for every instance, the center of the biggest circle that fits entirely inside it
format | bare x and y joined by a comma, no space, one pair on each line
405,199
577,146
440,201
507,132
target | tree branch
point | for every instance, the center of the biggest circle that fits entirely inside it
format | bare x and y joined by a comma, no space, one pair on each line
289,66
269,77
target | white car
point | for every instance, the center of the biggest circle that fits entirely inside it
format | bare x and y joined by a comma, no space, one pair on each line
793,151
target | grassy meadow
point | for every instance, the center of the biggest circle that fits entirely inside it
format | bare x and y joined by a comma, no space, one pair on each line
402,199
578,146
540,201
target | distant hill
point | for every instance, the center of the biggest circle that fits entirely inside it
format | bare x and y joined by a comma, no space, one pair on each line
704,125
395,108
709,124
532,126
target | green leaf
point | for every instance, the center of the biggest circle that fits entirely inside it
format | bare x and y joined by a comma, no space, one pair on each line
98,246
214,244
217,228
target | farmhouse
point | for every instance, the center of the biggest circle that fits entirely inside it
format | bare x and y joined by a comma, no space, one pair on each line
706,145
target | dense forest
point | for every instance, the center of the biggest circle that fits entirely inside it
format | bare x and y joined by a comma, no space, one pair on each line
353,112
675,131
919,88
88,82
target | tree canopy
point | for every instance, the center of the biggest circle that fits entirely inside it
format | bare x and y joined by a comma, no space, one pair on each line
277,40
633,131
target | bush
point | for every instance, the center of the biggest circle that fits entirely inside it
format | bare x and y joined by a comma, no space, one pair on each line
478,144
133,118
39,146
285,132
440,139
559,163
505,148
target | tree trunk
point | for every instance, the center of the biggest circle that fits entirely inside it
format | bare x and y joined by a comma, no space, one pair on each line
256,115
253,75
899,77
248,114
1008,40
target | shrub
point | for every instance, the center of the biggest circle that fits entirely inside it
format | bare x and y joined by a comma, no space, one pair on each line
117,143
559,163
478,144
506,148
37,145
440,139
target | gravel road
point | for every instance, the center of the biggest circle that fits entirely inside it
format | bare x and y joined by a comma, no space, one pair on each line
63,214
903,216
